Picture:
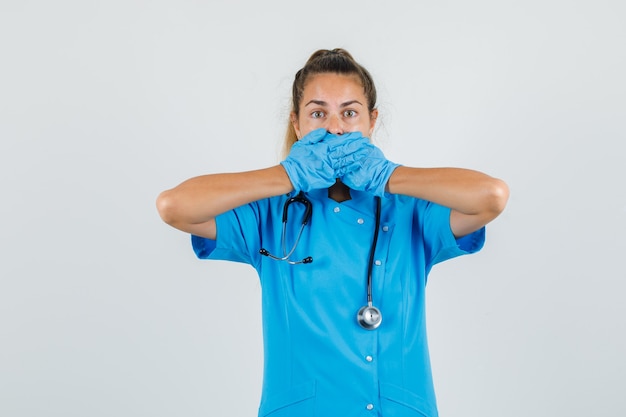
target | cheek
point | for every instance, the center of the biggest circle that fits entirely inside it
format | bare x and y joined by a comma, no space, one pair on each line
307,126
363,125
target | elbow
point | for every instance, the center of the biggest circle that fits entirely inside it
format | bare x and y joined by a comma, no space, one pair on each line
166,206
498,196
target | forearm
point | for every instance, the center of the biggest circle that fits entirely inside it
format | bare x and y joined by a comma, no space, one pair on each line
201,199
466,191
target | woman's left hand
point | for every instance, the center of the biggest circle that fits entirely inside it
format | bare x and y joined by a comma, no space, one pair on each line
370,172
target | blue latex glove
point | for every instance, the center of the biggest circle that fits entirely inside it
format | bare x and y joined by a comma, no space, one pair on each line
345,150
308,164
370,170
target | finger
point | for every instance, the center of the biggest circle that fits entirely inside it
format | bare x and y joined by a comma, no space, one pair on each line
340,140
314,136
349,146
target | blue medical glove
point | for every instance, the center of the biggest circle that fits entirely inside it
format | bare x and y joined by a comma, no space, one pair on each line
308,164
370,172
349,149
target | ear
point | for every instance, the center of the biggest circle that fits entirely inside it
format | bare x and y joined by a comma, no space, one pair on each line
294,122
373,118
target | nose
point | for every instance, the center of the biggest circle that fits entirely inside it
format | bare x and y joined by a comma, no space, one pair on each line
335,126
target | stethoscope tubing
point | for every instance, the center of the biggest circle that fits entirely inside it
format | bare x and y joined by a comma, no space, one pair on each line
368,316
370,266
308,212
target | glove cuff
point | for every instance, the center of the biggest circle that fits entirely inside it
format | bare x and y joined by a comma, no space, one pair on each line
382,192
292,173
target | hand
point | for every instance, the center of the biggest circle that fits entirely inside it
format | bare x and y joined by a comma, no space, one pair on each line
345,150
370,171
308,164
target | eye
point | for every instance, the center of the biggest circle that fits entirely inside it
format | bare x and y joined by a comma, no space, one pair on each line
349,113
317,114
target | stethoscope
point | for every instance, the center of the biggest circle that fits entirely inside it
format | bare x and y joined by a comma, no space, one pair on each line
369,317
308,211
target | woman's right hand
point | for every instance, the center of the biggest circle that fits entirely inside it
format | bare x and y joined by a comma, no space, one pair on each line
308,164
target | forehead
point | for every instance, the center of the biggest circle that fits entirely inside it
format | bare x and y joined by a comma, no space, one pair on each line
333,86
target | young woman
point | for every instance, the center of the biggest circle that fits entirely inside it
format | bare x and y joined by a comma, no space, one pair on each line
343,241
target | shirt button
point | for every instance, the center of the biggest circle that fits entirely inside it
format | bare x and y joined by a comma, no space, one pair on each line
377,262
360,221
336,209
369,358
370,406
385,228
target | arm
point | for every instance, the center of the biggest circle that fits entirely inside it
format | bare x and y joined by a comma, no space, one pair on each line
475,198
193,205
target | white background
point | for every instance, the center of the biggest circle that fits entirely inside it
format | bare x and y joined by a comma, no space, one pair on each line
104,310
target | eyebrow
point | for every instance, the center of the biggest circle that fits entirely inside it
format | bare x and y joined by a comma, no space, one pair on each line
323,103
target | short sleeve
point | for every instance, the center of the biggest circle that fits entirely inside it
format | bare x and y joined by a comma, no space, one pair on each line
237,236
441,241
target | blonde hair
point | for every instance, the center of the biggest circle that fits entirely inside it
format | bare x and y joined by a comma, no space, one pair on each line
337,61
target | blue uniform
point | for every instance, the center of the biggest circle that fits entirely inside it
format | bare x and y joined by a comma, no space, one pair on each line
318,360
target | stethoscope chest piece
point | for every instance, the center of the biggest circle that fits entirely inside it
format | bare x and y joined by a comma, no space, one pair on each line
369,317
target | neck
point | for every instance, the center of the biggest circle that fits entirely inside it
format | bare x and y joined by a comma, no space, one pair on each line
339,192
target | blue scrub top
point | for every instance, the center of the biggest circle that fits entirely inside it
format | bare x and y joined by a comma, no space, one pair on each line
318,360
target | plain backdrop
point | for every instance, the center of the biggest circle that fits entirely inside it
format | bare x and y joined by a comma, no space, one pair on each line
104,310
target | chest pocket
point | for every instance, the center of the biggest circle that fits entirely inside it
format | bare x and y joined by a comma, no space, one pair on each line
397,401
298,401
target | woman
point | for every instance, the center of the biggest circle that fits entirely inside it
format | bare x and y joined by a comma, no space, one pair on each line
342,290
